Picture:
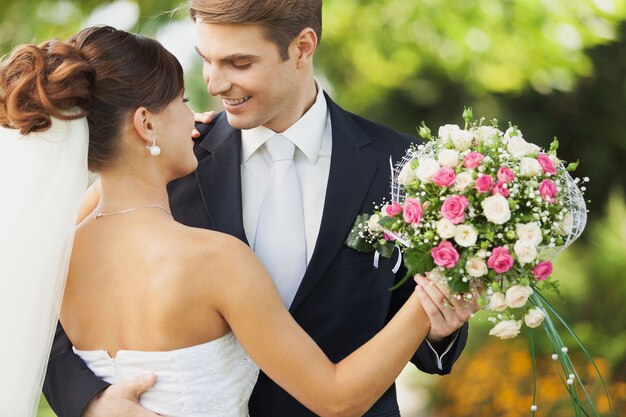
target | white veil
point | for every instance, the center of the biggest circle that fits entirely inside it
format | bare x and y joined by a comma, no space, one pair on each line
42,178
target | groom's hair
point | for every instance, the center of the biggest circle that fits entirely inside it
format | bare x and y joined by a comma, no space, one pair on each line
282,20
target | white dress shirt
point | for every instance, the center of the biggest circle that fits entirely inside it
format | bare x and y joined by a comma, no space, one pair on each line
312,136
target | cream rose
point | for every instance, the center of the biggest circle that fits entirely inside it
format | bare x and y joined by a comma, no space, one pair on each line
525,250
463,181
517,295
506,329
407,174
465,235
373,223
427,169
496,302
529,167
462,140
446,131
486,134
534,317
445,228
449,158
518,147
496,209
476,267
530,232
565,226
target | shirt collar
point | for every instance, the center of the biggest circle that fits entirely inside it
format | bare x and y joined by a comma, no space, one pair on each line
306,133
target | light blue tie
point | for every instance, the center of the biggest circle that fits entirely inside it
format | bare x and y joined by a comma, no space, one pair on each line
280,238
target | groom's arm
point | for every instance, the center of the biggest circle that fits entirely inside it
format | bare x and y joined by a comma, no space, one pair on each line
69,385
431,357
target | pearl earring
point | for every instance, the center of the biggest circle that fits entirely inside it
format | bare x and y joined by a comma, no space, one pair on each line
154,148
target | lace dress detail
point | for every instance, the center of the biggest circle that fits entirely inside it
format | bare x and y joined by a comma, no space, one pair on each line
214,379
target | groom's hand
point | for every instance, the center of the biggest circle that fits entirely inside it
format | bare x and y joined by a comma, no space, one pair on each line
121,400
201,118
446,313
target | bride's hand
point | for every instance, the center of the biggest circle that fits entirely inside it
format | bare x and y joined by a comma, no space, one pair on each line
201,118
121,400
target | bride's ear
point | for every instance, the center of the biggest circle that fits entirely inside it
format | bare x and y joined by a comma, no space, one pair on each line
144,124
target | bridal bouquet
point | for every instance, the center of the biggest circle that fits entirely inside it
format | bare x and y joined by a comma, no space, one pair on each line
484,212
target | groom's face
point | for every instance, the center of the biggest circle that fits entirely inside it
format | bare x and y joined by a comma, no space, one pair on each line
246,71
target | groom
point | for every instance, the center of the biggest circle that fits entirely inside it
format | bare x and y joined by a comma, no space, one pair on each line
258,58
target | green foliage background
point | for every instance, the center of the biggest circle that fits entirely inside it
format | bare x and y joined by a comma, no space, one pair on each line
554,67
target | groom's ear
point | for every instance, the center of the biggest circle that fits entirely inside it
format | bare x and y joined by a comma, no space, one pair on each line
304,46
143,122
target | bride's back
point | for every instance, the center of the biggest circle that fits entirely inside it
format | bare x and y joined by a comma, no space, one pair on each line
132,285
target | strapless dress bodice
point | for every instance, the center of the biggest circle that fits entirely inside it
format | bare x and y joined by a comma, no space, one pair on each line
213,379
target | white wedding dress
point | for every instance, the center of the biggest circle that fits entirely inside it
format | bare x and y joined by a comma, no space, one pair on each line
214,379
42,178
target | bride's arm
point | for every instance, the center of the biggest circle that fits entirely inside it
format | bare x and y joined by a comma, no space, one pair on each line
250,303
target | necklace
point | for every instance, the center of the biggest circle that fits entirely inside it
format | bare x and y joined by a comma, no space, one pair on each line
101,214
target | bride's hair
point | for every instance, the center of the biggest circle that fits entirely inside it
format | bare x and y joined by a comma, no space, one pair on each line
132,71
38,82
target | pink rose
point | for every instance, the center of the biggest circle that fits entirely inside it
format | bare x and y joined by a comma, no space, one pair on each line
453,208
394,209
500,260
444,177
445,255
542,270
505,175
473,159
547,190
484,183
412,212
546,163
388,237
501,189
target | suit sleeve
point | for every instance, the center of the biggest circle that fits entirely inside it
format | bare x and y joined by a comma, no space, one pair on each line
432,359
69,384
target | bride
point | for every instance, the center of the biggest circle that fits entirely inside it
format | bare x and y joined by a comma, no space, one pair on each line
43,174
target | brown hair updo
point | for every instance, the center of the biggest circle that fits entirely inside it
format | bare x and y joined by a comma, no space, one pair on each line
132,71
40,82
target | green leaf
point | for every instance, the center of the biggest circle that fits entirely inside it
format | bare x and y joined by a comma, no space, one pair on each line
354,240
386,250
418,261
387,222
572,166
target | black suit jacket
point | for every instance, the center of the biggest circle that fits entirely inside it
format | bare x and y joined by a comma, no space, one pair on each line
343,299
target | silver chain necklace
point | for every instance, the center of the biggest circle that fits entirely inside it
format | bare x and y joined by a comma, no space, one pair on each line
101,214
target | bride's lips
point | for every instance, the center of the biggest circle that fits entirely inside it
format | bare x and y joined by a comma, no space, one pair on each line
234,105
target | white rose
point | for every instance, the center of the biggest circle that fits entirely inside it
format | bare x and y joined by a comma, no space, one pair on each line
476,267
534,317
507,329
496,302
446,131
518,147
445,228
513,131
406,175
462,139
496,209
556,161
465,235
529,167
517,295
565,226
529,231
525,250
449,158
463,181
427,169
373,224
486,134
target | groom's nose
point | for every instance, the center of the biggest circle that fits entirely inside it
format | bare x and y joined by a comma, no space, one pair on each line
217,81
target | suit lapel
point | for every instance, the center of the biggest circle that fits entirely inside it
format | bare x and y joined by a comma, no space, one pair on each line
351,173
219,178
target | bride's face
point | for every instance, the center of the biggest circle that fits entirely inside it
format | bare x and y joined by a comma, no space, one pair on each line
174,126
